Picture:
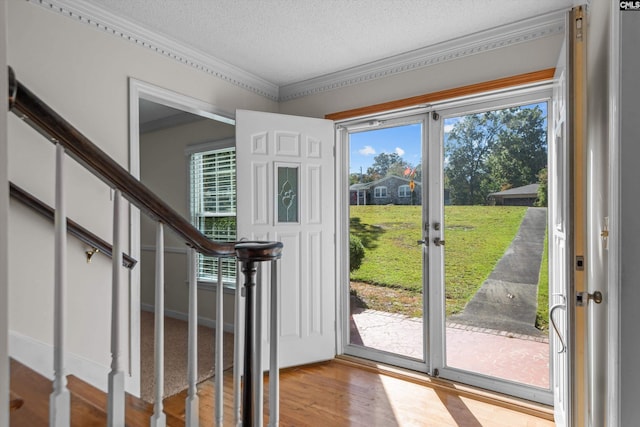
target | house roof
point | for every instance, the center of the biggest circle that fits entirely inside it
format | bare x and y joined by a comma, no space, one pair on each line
368,185
530,190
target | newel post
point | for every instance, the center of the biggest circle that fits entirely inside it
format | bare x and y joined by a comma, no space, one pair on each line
249,254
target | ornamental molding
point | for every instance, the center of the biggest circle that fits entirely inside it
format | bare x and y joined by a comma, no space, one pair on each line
132,32
497,38
485,41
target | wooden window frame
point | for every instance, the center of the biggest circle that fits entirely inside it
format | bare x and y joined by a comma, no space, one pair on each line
473,89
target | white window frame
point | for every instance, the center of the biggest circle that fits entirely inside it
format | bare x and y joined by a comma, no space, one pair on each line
404,191
377,190
211,279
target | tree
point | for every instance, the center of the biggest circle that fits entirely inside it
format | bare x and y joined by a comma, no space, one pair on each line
543,181
521,151
467,150
495,150
386,164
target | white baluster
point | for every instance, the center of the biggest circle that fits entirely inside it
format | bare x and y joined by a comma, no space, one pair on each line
115,406
59,401
158,419
274,355
238,341
258,377
219,345
192,404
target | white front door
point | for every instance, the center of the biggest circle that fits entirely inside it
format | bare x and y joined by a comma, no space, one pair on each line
285,192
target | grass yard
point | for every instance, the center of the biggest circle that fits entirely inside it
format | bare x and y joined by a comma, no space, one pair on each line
476,238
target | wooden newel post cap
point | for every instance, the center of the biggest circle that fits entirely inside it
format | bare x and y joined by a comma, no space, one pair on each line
258,250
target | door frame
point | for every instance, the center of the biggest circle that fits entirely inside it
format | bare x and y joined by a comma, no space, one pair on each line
539,91
139,89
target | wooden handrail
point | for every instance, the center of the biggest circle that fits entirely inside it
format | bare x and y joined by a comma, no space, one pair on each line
56,129
73,227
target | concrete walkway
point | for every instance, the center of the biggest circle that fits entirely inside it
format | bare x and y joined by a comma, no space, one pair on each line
507,300
513,357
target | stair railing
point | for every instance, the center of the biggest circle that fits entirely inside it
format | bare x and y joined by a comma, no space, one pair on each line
69,141
97,244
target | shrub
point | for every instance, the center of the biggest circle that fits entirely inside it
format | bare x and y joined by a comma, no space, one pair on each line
356,253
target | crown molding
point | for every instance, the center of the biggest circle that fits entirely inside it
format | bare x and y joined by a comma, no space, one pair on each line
132,32
504,36
496,38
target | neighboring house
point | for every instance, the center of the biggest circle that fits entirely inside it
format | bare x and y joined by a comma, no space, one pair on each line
519,196
390,190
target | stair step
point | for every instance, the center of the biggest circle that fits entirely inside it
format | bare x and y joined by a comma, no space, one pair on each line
88,404
137,411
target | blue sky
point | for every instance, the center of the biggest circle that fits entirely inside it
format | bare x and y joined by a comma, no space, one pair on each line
404,140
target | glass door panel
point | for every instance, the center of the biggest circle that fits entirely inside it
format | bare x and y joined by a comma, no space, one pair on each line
386,209
495,258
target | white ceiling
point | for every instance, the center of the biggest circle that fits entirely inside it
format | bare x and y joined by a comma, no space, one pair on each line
284,42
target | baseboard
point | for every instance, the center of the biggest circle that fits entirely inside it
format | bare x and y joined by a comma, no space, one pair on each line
38,356
204,321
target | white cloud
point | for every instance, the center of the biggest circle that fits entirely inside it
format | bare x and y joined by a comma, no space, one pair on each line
367,150
448,128
399,151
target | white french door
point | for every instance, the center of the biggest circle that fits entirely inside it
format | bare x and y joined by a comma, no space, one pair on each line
391,193
285,192
432,340
559,294
479,339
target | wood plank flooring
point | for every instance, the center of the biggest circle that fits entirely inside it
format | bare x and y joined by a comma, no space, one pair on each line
335,393
340,393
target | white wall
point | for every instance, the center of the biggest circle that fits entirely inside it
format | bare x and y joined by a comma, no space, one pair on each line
83,73
163,168
629,217
505,62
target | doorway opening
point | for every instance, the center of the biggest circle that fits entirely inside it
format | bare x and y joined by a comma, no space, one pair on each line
169,132
447,212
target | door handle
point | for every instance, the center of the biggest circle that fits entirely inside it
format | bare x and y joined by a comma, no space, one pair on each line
438,242
562,305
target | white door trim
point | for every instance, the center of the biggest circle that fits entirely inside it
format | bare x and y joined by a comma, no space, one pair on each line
139,89
613,293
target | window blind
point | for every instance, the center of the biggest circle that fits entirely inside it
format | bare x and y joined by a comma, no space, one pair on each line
213,206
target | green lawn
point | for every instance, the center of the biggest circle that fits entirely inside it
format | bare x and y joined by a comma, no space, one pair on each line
476,238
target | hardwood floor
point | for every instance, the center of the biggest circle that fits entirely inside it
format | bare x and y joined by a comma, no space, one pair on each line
335,393
341,393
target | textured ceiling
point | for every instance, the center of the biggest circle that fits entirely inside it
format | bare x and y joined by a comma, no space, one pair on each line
288,41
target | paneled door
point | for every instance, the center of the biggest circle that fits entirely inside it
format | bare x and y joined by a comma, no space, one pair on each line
285,190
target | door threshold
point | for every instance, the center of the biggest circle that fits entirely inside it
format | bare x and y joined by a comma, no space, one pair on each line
502,400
